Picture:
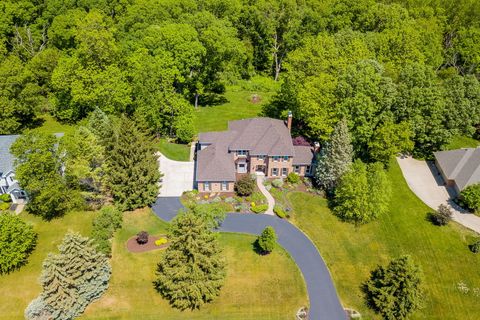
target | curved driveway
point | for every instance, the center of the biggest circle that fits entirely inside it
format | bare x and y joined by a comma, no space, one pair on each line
324,302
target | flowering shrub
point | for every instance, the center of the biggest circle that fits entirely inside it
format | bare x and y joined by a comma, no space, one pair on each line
161,241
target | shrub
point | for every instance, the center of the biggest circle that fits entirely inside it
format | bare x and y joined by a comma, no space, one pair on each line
4,206
442,216
279,211
37,309
475,247
470,197
259,208
17,240
104,225
293,178
161,241
277,183
142,237
256,197
267,240
5,197
245,186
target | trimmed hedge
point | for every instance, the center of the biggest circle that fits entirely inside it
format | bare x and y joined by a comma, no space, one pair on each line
259,208
279,211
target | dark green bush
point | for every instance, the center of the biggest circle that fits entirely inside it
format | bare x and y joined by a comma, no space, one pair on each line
279,211
245,186
442,216
475,247
267,240
104,225
470,197
293,178
259,208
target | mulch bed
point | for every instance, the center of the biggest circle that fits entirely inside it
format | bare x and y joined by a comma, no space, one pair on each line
133,246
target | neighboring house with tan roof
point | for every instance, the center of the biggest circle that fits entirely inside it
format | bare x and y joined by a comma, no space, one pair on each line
249,146
459,168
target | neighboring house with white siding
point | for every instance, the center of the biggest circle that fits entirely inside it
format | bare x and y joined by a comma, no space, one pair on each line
8,183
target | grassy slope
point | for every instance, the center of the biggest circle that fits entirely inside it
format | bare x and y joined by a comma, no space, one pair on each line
18,288
462,142
257,287
50,125
352,253
238,106
174,151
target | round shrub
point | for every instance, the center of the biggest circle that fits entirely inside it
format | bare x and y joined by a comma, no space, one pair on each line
142,237
279,211
470,197
245,186
442,216
277,183
293,178
4,206
259,208
17,240
5,197
475,247
161,241
267,240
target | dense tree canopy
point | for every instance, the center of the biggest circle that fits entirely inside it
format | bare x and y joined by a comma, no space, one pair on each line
404,73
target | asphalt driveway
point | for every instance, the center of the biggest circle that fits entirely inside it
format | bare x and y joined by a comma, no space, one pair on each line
324,301
177,176
425,181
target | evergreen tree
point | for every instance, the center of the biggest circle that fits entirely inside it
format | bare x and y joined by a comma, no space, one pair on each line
267,240
395,291
132,170
191,272
74,277
335,158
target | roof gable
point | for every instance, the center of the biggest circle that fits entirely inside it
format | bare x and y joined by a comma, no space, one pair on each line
461,165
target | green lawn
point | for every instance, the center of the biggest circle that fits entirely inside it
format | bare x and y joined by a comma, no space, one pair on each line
18,288
50,125
462,142
174,151
238,106
352,253
257,287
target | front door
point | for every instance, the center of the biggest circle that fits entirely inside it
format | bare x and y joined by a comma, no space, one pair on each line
261,168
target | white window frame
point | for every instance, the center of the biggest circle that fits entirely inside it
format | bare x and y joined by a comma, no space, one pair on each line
206,186
261,157
275,172
224,186
276,158
308,170
284,172
296,169
285,159
242,152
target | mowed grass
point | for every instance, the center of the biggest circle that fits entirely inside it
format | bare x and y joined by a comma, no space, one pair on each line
238,106
462,142
174,151
20,287
50,125
352,253
256,287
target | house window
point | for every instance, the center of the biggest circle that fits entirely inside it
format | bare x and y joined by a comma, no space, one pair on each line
296,169
261,157
206,186
241,167
285,158
241,152
276,158
284,172
224,186
308,170
274,172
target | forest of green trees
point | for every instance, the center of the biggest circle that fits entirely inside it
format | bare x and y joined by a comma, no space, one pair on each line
404,73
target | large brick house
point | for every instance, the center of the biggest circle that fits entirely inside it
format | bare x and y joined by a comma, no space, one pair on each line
249,146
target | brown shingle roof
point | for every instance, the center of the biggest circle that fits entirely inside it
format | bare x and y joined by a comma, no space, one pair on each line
303,155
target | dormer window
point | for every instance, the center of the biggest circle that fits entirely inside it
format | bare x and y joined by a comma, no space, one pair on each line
242,152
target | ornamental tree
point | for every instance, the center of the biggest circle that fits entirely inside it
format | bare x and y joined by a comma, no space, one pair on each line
192,271
267,240
17,241
395,291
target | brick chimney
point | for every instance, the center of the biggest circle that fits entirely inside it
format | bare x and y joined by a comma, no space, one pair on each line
289,121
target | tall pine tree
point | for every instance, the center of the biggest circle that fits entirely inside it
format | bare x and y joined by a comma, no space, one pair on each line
191,272
335,158
132,170
73,278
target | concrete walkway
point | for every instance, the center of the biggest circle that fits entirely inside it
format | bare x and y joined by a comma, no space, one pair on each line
177,176
264,191
324,301
425,181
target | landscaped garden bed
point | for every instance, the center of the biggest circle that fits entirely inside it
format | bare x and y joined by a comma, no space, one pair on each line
152,243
